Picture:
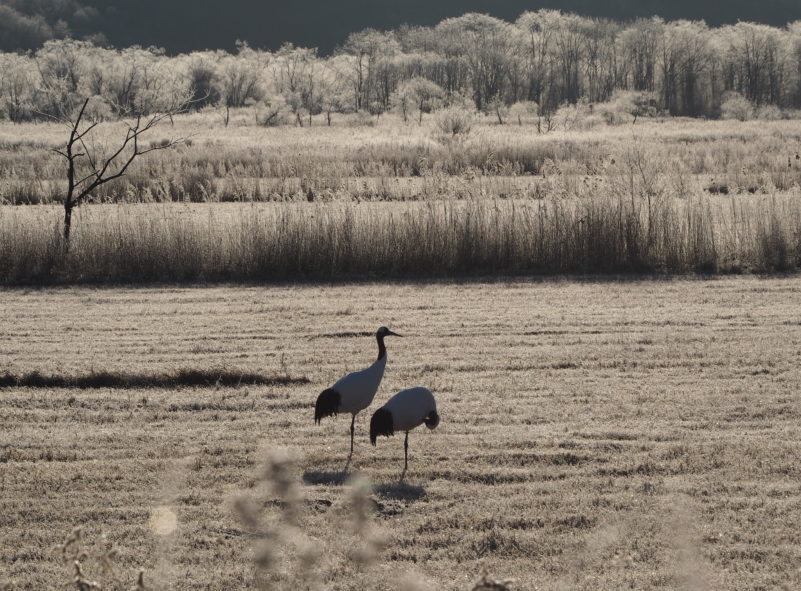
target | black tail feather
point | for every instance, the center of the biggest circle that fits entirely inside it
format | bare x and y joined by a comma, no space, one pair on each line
327,405
381,424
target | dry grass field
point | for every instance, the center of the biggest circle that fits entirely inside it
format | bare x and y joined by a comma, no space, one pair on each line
395,200
396,161
595,434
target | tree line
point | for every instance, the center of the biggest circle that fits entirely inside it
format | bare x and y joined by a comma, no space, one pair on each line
543,60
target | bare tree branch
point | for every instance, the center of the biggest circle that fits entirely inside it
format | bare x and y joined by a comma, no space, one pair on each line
113,166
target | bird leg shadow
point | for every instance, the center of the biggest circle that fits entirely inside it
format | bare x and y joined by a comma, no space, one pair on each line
400,490
317,477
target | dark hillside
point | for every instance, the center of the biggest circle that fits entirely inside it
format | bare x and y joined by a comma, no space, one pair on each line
184,25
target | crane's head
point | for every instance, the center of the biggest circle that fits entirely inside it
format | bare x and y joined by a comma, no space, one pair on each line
384,331
432,420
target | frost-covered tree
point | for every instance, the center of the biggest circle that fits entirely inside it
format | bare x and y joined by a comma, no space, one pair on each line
756,59
240,77
334,88
419,94
367,48
17,76
486,45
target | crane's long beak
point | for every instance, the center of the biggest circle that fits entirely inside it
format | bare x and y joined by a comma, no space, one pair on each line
394,333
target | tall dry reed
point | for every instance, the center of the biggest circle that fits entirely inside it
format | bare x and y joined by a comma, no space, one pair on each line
291,242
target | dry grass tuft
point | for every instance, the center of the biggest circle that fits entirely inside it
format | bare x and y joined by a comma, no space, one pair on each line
284,555
488,583
98,561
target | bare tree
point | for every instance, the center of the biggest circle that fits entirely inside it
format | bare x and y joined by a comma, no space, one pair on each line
240,77
538,49
367,48
485,44
640,47
86,171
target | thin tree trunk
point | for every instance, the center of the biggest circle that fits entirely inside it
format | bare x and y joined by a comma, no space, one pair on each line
68,206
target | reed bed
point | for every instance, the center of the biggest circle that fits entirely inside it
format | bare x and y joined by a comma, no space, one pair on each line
336,241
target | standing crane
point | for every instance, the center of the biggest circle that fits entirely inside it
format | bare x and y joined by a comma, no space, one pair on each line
355,391
403,412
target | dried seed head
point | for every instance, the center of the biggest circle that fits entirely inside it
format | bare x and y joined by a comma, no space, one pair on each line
108,557
487,583
163,521
413,582
71,548
359,489
265,558
279,467
279,472
377,540
248,512
361,508
308,556
81,582
362,555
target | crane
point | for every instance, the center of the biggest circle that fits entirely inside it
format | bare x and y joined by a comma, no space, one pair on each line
403,412
354,392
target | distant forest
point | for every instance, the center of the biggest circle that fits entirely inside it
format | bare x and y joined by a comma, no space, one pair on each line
188,25
537,63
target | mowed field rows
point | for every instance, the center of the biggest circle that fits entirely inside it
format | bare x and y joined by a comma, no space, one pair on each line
594,435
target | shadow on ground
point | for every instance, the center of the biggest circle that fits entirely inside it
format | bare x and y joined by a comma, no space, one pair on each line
401,491
316,477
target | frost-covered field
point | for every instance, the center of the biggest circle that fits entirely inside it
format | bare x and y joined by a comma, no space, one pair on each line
595,434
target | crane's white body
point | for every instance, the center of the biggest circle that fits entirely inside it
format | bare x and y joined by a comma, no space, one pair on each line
403,412
357,389
409,408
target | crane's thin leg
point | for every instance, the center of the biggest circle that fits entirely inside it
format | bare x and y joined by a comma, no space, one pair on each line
406,453
352,432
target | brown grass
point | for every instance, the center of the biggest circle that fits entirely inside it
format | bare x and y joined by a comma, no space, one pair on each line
394,161
594,434
273,243
671,196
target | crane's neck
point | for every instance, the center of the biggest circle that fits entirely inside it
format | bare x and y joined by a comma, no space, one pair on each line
382,350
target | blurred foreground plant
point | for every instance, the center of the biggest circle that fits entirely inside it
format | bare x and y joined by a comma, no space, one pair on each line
104,572
284,554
